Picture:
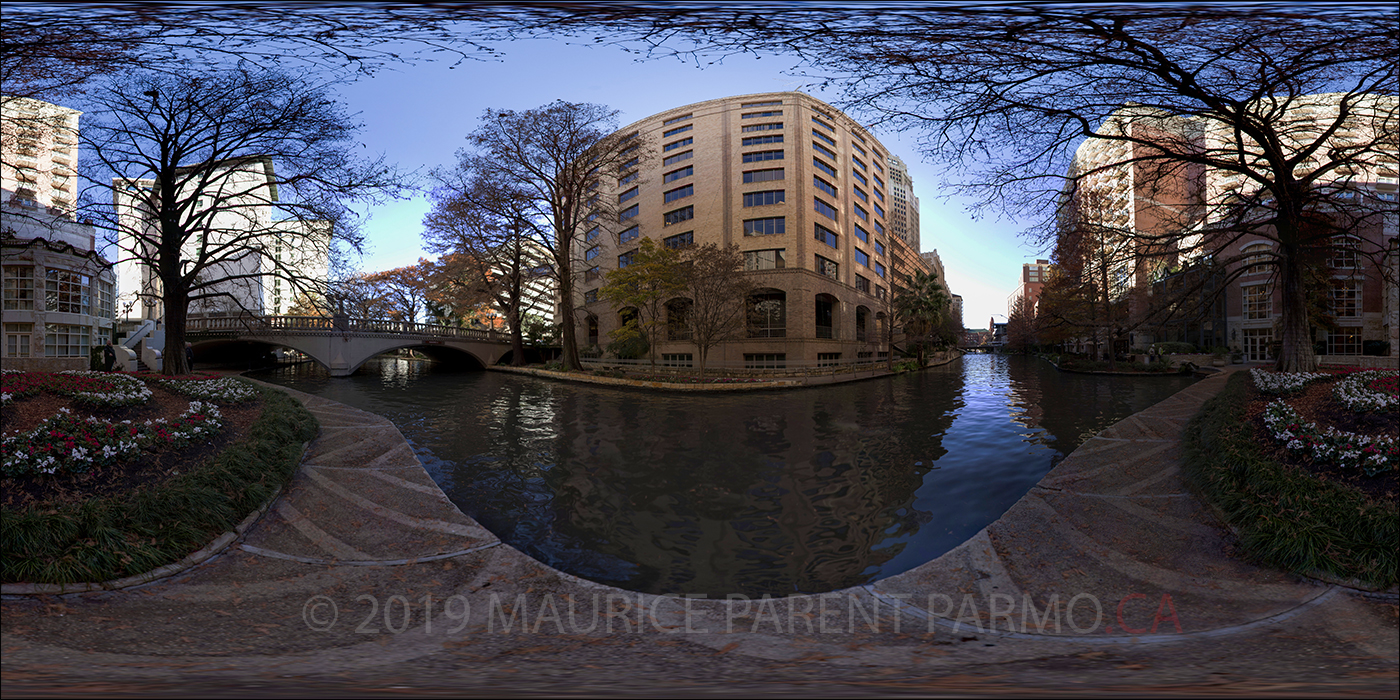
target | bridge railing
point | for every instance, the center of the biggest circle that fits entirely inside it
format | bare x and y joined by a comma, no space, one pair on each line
248,323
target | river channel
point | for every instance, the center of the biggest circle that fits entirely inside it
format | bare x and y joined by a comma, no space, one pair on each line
767,492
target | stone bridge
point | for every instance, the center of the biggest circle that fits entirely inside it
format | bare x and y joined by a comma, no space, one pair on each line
342,343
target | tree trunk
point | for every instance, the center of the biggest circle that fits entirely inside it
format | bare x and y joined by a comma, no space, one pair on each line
176,310
703,353
1296,353
517,340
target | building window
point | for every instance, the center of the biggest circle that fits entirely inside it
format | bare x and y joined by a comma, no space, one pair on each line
824,167
1256,343
629,164
879,183
879,291
678,319
591,236
1344,341
1345,298
858,163
629,234
764,175
825,235
1257,256
105,293
826,316
759,156
860,194
771,126
828,268
677,144
19,288
767,197
765,259
879,228
828,359
679,193
879,248
674,175
768,315
679,215
627,195
762,115
824,150
1343,253
760,140
677,130
673,120
680,240
879,270
628,178
629,212
17,339
862,234
879,210
862,285
765,227
1257,304
592,253
589,297
678,158
593,274
67,291
770,360
823,125
824,186
862,257
862,213
625,259
770,103
879,195
677,359
66,341
858,176
857,148
823,208
823,137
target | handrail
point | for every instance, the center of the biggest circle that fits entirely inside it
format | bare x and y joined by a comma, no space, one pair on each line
248,323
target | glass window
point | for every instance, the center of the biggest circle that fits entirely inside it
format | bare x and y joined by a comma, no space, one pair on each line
680,240
828,268
759,156
19,288
770,103
772,126
823,125
674,175
1257,303
678,158
592,253
629,234
879,248
677,359
764,175
760,140
879,210
823,208
628,178
770,360
677,144
629,212
879,183
879,195
860,194
762,115
677,130
591,235
625,259
830,141
858,163
679,215
629,164
862,284
824,167
861,212
592,274
627,195
858,149
859,177
879,270
673,120
879,228
67,292
679,193
765,227
825,235
862,234
767,315
66,341
17,337
589,297
862,257
824,150
1344,341
1343,252
758,199
824,186
765,259
105,293
1345,298
1257,258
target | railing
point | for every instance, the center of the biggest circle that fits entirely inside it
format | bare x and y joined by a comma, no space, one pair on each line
284,325
755,368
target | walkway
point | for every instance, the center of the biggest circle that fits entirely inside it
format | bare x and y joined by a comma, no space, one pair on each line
327,594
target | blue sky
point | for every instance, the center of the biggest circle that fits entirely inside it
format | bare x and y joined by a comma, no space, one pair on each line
419,115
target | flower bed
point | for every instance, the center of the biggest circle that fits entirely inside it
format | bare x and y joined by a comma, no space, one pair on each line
1370,390
222,390
98,389
1284,383
1371,454
68,444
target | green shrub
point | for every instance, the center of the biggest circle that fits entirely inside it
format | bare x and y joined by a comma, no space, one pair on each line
121,535
1287,517
1174,348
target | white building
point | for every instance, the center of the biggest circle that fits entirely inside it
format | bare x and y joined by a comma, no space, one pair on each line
904,206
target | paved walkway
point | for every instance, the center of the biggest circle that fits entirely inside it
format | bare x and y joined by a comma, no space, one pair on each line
364,578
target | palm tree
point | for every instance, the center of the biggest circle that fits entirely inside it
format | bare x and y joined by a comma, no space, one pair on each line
921,307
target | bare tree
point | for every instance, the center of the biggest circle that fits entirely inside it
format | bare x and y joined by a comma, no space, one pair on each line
719,292
221,184
552,160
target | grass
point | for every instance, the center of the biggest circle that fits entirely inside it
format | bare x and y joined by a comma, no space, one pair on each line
1285,517
122,535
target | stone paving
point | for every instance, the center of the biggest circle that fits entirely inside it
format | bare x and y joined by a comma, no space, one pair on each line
1108,576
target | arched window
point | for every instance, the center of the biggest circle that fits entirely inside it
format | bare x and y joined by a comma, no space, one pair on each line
1343,254
1258,256
678,319
862,323
826,315
768,314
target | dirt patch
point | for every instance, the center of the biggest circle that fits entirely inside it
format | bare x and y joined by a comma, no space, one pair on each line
148,469
1317,405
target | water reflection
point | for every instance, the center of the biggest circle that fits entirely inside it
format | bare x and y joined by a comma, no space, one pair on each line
770,492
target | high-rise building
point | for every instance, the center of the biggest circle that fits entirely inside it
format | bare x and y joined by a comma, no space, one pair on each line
799,187
904,205
1033,278
58,290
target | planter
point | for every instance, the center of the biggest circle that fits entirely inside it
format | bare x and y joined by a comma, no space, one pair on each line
1218,362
